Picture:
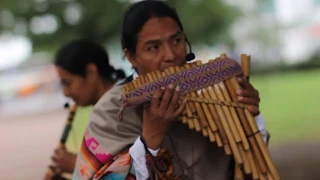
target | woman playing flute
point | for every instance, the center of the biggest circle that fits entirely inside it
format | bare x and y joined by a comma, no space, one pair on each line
85,75
152,39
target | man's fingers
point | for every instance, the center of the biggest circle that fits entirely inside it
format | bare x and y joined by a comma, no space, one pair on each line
180,109
254,110
174,100
166,98
156,98
249,101
248,93
244,83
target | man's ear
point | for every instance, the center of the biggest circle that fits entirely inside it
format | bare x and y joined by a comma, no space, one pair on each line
131,57
92,71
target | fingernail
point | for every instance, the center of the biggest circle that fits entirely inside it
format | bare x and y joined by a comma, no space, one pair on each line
170,86
252,108
240,79
238,92
185,100
177,88
163,88
240,98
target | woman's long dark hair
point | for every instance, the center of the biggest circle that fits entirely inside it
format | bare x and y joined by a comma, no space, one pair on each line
76,55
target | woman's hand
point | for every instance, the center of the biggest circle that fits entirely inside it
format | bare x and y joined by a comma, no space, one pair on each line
159,115
64,161
249,95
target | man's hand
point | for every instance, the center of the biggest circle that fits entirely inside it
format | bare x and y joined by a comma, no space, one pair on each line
249,95
159,115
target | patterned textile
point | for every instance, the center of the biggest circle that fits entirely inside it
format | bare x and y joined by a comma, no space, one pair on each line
94,163
106,137
189,80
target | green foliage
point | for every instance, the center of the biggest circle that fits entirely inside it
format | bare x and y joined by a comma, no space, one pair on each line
98,20
205,21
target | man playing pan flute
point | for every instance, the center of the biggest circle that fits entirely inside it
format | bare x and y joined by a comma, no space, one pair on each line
153,39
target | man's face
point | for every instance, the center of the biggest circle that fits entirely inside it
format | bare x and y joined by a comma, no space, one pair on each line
161,44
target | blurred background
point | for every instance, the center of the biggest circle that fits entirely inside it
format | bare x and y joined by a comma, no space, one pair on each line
281,36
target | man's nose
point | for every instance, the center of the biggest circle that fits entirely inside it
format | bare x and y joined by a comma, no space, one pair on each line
169,55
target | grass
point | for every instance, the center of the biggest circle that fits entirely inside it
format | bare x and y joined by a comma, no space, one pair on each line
289,104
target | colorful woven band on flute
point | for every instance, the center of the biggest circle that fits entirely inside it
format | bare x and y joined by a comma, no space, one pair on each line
189,80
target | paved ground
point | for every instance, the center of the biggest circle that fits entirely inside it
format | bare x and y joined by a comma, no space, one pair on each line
298,161
27,144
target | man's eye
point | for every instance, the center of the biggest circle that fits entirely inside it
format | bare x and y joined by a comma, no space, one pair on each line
153,48
176,41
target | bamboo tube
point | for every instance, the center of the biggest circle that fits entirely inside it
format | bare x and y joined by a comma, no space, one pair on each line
256,142
214,118
218,139
261,145
269,176
205,107
205,132
200,112
235,117
185,119
255,174
238,175
224,96
212,126
258,170
248,131
246,124
245,63
227,114
191,107
226,127
221,132
227,149
203,122
250,165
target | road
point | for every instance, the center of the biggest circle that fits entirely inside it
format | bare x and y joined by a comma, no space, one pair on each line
27,144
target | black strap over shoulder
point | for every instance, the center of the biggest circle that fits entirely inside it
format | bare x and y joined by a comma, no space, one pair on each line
128,79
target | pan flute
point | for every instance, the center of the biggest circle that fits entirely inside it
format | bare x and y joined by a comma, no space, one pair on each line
212,109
